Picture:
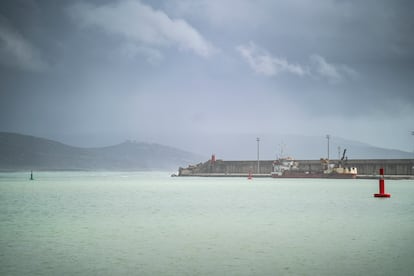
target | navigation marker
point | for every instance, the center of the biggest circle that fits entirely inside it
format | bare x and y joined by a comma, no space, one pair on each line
382,185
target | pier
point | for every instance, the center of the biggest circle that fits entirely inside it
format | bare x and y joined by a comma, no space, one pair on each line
367,168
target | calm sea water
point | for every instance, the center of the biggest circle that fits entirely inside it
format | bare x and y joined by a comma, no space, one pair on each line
97,223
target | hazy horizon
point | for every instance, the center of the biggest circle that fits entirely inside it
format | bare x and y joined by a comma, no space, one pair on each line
189,73
271,147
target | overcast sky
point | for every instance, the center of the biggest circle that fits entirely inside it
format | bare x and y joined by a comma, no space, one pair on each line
176,72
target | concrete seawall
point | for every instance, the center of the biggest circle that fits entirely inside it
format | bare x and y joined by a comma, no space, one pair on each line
367,167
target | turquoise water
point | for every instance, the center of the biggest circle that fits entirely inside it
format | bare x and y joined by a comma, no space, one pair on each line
97,223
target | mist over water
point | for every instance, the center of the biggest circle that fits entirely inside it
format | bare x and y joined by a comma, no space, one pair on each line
151,224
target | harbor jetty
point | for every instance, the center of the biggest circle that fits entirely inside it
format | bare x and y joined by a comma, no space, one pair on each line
367,168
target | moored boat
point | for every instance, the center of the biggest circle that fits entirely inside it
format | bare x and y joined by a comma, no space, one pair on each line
287,167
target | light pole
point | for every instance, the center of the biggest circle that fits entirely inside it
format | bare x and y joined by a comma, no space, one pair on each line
412,167
339,153
328,137
412,133
258,160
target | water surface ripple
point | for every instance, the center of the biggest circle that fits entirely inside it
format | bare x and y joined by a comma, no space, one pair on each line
147,223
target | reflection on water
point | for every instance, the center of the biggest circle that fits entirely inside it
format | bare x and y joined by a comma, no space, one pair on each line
110,223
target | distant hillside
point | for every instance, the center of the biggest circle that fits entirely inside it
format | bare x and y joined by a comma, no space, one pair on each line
244,147
22,152
314,147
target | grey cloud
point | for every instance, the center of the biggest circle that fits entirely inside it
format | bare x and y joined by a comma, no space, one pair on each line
262,62
333,73
143,25
130,50
362,30
17,51
329,66
229,14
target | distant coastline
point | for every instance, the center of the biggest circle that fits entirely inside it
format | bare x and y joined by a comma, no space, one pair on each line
24,153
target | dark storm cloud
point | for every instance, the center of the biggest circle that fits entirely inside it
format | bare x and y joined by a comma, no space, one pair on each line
99,72
16,51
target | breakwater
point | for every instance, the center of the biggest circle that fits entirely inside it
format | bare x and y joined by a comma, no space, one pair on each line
366,167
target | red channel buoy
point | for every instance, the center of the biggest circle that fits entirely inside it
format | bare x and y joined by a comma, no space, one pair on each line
382,185
250,176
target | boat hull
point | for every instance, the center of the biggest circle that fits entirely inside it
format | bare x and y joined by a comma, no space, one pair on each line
315,175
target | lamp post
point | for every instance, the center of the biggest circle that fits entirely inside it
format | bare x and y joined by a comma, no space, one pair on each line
339,153
412,133
258,160
328,137
412,167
